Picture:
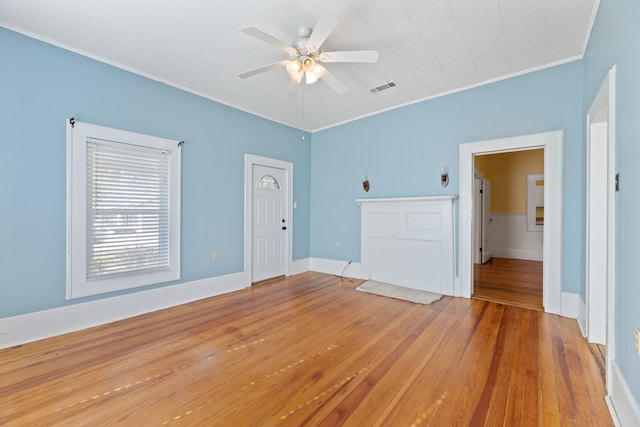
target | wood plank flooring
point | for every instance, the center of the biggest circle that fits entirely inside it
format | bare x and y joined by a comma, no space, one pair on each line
509,281
310,350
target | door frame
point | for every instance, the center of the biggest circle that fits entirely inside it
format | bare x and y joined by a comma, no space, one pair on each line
249,161
553,143
604,98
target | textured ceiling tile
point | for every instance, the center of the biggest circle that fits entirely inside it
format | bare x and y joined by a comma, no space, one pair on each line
433,18
452,49
384,16
442,36
487,16
464,7
509,8
533,17
485,36
413,7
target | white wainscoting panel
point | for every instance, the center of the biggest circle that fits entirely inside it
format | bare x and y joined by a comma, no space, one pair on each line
510,238
409,241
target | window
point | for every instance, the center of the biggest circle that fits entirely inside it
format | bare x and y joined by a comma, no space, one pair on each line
267,182
123,220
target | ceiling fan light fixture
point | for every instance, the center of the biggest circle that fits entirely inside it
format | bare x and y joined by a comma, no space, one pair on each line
308,63
305,56
294,68
310,77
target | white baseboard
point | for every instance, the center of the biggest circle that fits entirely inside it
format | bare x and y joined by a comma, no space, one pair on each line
569,305
624,409
457,287
336,267
49,323
582,315
300,266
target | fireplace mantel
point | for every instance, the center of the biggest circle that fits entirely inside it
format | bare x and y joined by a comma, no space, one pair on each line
409,241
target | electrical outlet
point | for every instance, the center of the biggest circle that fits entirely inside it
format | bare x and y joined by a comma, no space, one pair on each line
338,243
638,341
214,255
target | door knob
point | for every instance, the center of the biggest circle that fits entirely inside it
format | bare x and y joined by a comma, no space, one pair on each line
284,228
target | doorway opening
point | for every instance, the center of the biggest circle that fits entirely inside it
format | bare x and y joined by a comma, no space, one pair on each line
508,227
552,143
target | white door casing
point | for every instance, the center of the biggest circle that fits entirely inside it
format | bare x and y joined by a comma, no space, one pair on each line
552,142
600,220
268,208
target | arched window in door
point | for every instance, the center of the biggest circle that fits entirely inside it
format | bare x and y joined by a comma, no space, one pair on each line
267,182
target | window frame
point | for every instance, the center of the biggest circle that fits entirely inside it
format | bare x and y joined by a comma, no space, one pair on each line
77,285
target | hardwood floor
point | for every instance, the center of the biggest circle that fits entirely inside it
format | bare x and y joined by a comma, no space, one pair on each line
310,350
509,281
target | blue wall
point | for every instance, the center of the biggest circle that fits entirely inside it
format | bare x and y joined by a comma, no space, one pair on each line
615,40
41,86
402,151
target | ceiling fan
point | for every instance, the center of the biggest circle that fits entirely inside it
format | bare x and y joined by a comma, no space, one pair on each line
305,56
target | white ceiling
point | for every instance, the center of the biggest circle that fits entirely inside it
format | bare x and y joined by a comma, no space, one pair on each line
427,47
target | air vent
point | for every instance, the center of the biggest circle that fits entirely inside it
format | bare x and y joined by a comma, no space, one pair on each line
387,85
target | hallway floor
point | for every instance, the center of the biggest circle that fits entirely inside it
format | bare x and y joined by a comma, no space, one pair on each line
509,281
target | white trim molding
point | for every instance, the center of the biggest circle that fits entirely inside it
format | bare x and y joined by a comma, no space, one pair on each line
300,266
336,267
57,321
582,316
570,304
553,143
623,408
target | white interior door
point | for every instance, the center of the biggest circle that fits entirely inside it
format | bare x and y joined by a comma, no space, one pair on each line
600,232
597,234
486,220
477,217
269,222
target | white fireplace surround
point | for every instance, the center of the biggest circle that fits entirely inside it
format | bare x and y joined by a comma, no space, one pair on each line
409,242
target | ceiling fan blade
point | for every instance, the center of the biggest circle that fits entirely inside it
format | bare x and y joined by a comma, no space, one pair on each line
323,28
334,82
268,39
292,91
262,69
350,56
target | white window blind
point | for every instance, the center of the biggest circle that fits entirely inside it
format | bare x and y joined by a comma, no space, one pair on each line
123,209
127,208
